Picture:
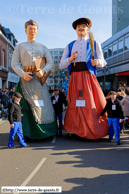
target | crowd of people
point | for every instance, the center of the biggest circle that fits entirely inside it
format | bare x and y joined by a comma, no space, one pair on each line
59,99
5,100
122,94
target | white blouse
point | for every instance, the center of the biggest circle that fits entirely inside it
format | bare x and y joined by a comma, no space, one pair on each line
27,53
80,46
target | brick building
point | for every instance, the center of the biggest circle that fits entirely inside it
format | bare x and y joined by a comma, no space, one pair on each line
8,78
3,58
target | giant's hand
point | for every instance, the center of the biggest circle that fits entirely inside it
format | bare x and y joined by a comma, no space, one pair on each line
73,56
27,76
40,73
94,62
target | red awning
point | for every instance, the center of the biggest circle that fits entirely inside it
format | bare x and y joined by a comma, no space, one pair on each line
123,73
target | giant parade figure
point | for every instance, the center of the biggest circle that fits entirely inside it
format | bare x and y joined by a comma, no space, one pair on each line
85,97
38,121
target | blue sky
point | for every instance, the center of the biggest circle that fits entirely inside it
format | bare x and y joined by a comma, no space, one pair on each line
55,18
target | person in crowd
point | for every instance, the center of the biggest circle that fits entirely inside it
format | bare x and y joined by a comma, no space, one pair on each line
58,101
14,118
13,89
11,92
62,93
85,97
108,96
2,97
7,91
119,96
65,83
120,87
125,86
4,111
115,115
6,98
125,104
123,94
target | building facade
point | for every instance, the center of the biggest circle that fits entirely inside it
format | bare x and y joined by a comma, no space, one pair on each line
116,53
120,15
55,78
8,78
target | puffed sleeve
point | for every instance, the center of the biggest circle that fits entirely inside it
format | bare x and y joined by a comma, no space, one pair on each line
64,63
15,63
102,62
49,63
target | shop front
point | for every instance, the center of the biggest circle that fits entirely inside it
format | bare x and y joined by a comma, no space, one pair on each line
3,78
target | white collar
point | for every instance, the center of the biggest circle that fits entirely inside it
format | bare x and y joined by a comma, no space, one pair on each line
31,42
16,102
56,97
83,39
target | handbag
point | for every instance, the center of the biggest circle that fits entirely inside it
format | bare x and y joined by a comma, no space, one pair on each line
39,64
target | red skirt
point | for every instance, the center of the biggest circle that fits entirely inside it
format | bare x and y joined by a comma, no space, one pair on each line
84,121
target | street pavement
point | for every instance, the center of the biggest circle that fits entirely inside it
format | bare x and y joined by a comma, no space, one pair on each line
80,166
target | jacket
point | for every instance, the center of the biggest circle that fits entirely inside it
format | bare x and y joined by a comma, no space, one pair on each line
125,105
14,113
58,106
118,113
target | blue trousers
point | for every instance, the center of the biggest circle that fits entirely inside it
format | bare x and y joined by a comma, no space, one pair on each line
17,129
60,121
114,128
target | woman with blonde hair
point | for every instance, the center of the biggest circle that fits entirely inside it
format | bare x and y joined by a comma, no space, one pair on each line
123,94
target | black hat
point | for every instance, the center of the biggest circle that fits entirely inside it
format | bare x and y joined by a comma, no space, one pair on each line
18,95
56,89
86,21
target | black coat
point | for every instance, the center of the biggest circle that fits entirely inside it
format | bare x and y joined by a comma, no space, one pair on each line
2,98
118,113
14,112
58,106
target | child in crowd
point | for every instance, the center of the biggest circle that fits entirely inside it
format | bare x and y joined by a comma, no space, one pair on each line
14,118
115,112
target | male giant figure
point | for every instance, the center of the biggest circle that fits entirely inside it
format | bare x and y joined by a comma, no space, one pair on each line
85,97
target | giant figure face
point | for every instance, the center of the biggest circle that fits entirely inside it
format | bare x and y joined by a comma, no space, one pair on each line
31,32
82,30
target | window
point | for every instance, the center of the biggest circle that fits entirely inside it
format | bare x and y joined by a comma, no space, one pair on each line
11,39
55,57
120,49
56,81
61,52
114,49
10,57
127,43
110,51
3,57
105,53
51,52
55,52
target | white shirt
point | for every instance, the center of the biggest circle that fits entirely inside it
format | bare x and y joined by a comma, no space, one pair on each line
56,98
80,46
27,53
